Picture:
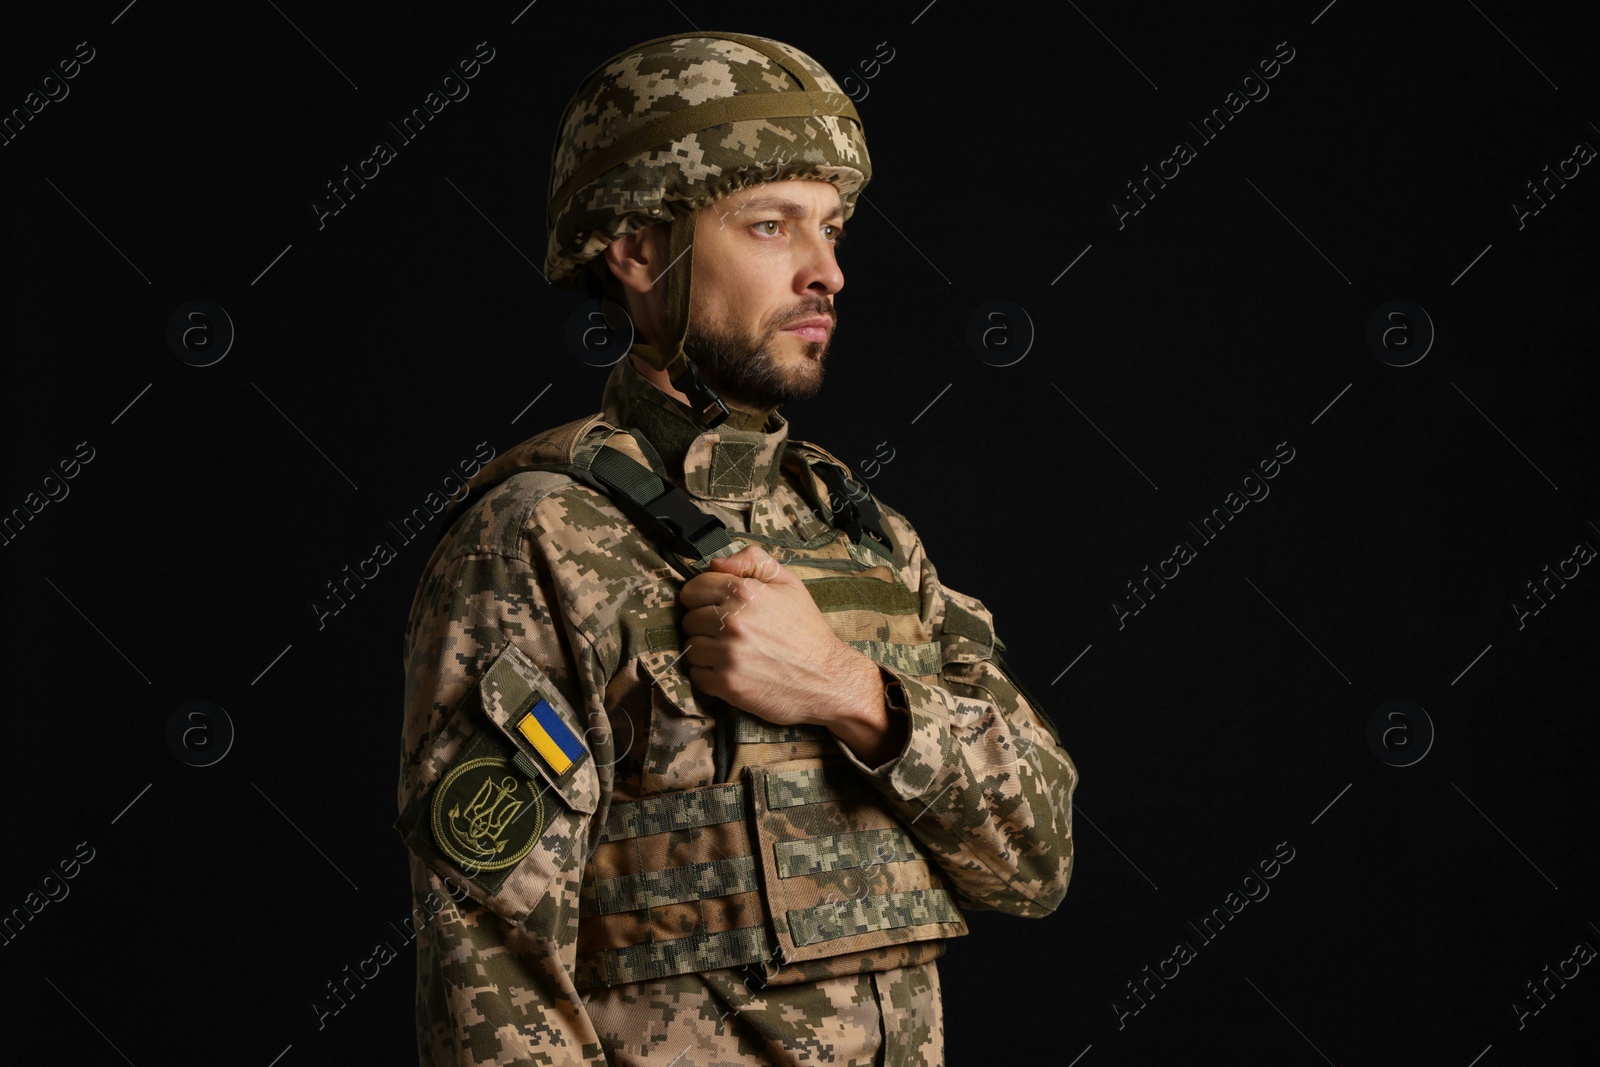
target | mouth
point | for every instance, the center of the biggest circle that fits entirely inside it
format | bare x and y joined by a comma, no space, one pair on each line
814,330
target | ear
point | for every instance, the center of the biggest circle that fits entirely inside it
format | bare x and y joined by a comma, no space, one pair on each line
638,259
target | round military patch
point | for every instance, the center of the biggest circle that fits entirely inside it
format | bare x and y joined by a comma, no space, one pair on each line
487,814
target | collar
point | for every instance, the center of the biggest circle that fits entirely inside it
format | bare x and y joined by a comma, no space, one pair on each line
737,461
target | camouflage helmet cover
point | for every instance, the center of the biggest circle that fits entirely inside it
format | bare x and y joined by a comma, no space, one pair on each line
676,123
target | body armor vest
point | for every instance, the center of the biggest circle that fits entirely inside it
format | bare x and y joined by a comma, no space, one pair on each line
790,861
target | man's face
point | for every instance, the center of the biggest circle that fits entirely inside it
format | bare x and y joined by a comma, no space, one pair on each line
761,315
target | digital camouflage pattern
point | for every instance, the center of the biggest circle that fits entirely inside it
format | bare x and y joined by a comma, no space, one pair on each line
543,591
665,172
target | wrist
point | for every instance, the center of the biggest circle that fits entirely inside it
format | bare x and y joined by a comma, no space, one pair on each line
864,703
874,725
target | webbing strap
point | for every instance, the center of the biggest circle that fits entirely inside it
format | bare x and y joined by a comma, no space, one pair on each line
647,449
670,517
684,810
634,481
673,885
667,512
863,915
753,729
663,131
709,409
857,515
770,49
697,952
711,805
808,785
838,852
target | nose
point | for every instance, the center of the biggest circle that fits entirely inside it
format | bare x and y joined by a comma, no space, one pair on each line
818,271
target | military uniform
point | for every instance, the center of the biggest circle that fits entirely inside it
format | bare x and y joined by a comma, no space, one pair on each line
610,866
551,575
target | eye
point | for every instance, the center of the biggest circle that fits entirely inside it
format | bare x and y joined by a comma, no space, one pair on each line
835,233
776,225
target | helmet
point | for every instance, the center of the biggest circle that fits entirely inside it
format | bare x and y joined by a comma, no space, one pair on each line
674,124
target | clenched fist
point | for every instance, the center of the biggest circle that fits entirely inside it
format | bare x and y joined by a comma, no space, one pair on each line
757,640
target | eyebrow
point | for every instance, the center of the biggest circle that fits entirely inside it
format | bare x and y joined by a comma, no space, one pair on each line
783,206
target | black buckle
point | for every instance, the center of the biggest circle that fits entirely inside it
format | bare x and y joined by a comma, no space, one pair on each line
701,398
676,515
857,516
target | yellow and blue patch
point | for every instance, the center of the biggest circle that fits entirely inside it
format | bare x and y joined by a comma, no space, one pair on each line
551,737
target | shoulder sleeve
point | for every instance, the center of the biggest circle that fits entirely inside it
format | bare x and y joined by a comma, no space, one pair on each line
505,770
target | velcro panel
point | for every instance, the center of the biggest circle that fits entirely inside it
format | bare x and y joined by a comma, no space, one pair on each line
967,633
509,687
850,591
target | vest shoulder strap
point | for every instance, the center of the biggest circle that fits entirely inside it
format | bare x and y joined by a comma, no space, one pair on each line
849,505
667,514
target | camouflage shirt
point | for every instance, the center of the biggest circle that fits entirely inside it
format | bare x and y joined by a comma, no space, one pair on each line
549,572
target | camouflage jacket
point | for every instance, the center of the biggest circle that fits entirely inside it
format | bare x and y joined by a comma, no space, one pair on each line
547,576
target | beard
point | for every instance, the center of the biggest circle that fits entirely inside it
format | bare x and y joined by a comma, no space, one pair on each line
747,369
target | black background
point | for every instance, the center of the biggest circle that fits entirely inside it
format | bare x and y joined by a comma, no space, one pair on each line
1228,315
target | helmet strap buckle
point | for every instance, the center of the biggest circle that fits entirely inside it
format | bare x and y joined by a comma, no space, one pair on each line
710,409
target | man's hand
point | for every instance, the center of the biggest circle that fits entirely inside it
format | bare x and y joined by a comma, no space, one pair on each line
758,641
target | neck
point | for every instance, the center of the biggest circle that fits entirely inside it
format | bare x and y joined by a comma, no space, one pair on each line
739,417
727,463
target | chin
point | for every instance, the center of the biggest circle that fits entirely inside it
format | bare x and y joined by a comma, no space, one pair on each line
806,385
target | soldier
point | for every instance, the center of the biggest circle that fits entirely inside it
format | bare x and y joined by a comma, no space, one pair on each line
701,761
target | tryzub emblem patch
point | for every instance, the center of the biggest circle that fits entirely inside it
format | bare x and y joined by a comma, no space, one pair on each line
487,814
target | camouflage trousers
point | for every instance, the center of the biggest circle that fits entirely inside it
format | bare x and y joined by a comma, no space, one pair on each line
888,1019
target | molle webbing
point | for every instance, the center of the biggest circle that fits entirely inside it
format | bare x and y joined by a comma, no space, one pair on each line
867,915
921,658
844,851
685,810
840,871
679,883
654,889
790,789
752,729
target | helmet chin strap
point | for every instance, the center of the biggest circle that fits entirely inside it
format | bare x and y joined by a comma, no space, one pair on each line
709,408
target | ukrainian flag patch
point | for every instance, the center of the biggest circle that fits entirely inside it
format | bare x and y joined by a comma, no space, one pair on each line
551,737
